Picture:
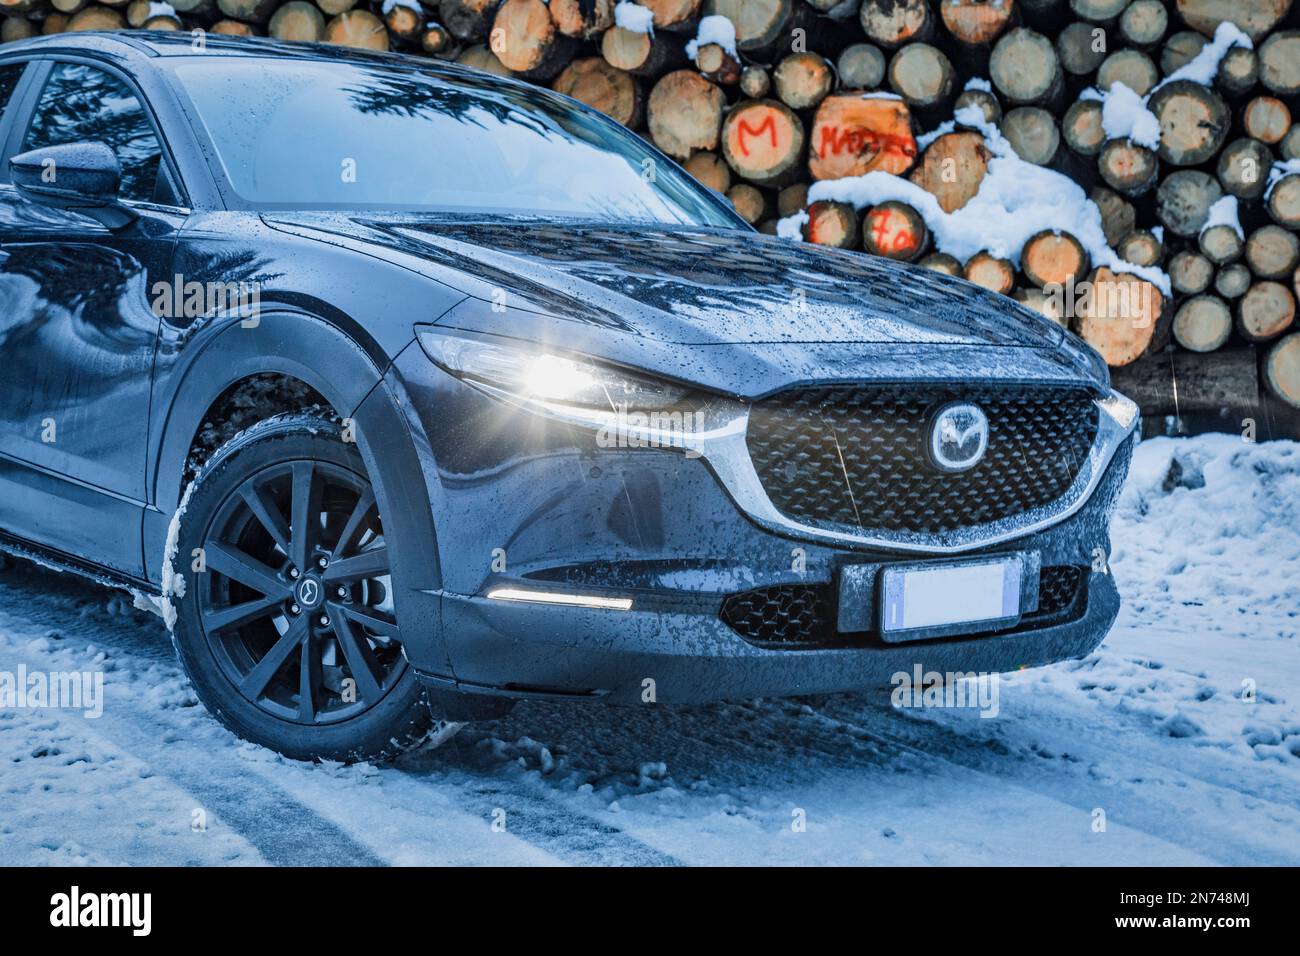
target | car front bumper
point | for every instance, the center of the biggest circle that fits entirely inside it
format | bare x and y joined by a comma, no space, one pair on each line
525,504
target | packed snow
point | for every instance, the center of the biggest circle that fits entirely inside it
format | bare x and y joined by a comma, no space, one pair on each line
1223,212
1177,742
1124,115
1278,171
717,30
1203,67
1015,200
634,17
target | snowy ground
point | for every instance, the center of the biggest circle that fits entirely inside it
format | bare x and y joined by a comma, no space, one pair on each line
1159,730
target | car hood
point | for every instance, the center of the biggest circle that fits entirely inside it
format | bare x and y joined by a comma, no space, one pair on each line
688,286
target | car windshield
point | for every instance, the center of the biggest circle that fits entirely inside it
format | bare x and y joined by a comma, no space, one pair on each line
303,134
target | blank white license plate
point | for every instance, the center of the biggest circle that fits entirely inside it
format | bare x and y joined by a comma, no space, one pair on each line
947,596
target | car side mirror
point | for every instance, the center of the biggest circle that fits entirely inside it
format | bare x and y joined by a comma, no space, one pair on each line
83,177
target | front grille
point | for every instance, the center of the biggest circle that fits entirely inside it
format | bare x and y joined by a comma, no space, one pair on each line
856,456
803,615
1058,588
784,614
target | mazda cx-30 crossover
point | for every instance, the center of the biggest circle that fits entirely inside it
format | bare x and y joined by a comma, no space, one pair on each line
406,392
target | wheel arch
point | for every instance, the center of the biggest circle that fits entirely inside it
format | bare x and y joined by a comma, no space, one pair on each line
304,349
297,346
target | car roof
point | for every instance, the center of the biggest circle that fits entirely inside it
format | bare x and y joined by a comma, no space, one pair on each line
149,44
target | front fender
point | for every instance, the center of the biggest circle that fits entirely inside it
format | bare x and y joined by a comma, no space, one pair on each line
194,375
302,346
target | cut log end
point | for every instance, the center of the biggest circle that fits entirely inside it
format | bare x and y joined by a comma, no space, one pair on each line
763,141
1282,369
1127,167
987,270
953,168
684,114
1221,244
359,29
852,136
748,201
1272,252
891,23
1194,122
1265,311
1141,247
1048,305
711,171
1120,315
593,81
1190,273
832,224
1284,202
1024,68
1203,323
802,80
1267,119
894,230
1053,258
921,74
941,262
976,22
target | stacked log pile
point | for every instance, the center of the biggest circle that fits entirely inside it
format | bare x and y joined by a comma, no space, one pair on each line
794,93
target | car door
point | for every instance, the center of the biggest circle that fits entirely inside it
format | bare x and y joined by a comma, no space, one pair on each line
77,327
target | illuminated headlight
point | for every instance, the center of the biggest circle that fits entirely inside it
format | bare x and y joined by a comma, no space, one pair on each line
1123,410
626,409
527,374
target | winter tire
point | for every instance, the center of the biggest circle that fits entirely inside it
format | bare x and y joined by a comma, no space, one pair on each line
284,621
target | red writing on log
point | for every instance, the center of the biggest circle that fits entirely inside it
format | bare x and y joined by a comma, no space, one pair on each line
744,131
860,141
903,239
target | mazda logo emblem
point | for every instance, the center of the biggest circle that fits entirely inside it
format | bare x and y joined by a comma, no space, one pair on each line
959,436
308,592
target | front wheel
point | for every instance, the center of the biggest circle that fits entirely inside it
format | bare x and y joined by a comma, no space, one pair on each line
278,575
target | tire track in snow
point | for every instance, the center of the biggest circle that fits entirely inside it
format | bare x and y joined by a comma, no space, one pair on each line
283,808
282,830
1213,837
546,823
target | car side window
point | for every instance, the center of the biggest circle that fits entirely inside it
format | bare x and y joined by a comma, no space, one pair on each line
10,74
81,103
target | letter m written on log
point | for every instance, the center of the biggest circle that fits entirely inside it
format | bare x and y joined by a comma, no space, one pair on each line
745,132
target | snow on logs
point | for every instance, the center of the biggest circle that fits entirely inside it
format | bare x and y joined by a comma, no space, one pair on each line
1158,109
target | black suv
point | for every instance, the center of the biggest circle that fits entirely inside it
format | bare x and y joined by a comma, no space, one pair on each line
396,385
